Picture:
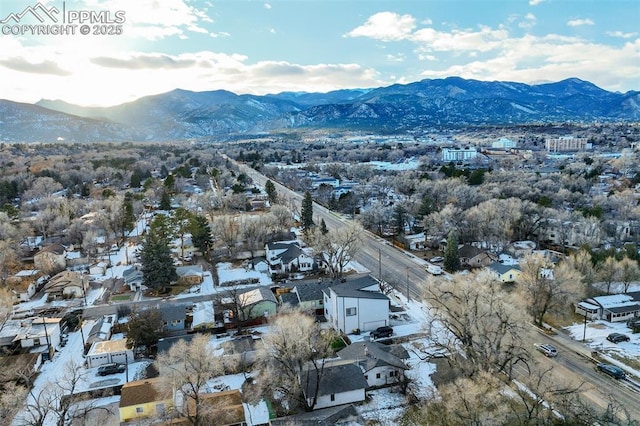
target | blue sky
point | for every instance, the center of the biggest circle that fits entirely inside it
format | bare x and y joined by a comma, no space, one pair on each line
264,47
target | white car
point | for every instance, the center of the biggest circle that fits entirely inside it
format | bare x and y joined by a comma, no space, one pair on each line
548,350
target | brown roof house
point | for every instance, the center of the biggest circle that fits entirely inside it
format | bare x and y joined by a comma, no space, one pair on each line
51,259
67,284
474,257
23,284
219,408
142,399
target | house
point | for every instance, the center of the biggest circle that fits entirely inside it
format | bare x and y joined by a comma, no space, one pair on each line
109,351
612,308
174,317
143,399
190,275
342,414
286,257
23,284
51,259
416,241
67,284
257,303
341,382
99,268
382,365
474,257
309,296
356,305
220,408
133,278
100,331
35,335
505,273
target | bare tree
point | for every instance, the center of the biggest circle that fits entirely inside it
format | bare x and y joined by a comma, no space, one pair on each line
283,215
12,396
608,272
58,401
629,272
226,228
473,314
185,370
295,349
338,247
254,232
548,288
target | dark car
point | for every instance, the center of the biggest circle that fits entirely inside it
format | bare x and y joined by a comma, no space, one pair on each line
380,332
612,370
111,368
617,338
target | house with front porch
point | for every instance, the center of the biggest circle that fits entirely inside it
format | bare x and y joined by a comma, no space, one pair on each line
382,365
356,305
286,257
612,308
341,382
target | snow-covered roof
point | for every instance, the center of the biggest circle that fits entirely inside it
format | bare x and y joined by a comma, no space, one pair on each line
613,300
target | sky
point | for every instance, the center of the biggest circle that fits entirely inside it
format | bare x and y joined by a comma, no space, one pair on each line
261,47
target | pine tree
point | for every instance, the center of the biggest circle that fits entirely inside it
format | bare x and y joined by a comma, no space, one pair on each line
201,234
128,216
270,189
451,258
306,212
165,201
158,270
323,227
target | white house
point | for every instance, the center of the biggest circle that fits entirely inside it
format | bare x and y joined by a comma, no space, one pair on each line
382,365
356,304
36,334
612,308
287,257
109,351
341,382
23,284
459,154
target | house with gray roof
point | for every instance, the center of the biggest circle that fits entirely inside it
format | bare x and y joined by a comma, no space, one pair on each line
341,382
505,272
356,304
309,296
383,365
286,257
174,317
612,308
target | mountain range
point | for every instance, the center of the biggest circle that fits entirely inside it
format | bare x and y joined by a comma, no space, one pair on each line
453,101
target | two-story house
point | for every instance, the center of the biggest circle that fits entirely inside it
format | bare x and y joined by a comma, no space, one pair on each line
286,257
356,305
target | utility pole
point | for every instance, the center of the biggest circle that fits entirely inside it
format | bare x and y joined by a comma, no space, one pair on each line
408,298
584,333
380,265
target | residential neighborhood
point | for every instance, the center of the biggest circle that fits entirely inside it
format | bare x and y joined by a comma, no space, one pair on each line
157,274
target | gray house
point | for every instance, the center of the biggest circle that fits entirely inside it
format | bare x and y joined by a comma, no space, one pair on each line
383,365
342,382
174,317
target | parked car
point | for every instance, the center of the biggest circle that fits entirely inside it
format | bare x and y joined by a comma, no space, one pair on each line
547,350
111,368
436,259
612,370
380,332
617,338
434,269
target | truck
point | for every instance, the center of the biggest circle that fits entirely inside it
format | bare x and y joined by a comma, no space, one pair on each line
434,269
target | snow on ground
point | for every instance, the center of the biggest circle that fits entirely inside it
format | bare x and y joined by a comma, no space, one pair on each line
596,338
227,274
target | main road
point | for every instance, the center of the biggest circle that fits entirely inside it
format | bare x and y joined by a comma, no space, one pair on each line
409,274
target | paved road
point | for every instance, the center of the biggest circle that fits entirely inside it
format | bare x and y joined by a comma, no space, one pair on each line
409,271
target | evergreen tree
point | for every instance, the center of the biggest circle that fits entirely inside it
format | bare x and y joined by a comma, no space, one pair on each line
144,328
128,216
270,189
323,227
165,201
306,212
451,258
135,180
158,270
201,234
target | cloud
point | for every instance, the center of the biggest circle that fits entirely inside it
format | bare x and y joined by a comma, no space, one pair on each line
620,34
535,2
396,58
530,21
267,6
555,57
385,26
482,40
143,61
579,22
43,67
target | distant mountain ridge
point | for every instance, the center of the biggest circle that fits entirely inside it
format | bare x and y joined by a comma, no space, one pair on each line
453,101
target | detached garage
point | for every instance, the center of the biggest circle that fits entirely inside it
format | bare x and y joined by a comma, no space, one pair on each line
109,351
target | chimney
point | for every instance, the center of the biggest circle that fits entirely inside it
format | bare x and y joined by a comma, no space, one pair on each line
366,350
